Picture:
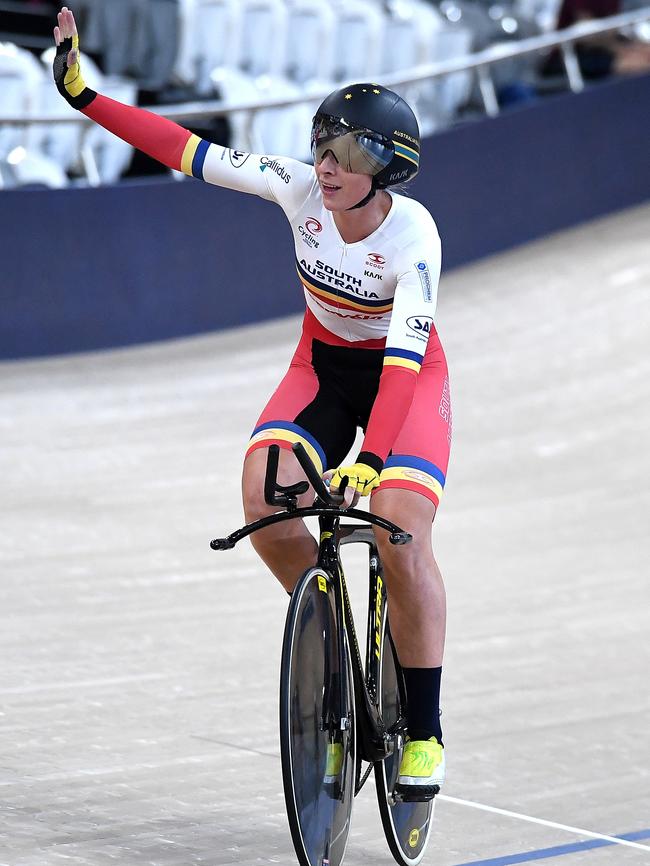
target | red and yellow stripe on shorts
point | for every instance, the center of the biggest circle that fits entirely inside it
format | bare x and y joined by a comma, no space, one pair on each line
284,434
413,473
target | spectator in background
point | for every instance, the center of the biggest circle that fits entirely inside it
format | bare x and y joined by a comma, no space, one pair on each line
598,56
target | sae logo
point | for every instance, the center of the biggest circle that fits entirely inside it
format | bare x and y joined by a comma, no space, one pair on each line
421,325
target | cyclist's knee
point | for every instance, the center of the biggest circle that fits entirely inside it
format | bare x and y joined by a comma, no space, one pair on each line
412,513
253,501
253,478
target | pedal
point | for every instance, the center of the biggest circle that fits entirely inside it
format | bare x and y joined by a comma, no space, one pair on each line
415,794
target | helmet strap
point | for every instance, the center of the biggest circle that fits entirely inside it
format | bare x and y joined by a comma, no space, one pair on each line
367,198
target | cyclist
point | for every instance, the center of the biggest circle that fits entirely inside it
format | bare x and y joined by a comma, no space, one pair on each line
369,355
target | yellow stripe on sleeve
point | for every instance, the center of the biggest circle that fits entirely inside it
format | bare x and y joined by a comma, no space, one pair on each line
393,361
189,153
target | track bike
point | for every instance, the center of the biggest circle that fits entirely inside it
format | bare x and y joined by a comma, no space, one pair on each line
341,717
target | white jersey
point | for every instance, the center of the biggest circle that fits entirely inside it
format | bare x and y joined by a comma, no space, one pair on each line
382,287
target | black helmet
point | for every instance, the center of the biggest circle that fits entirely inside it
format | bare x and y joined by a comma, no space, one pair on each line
387,132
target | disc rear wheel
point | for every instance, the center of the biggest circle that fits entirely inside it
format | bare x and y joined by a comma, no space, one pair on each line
316,724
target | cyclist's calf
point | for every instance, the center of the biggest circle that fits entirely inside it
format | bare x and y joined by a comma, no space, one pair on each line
416,593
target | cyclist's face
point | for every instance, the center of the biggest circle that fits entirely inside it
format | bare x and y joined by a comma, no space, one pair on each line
341,189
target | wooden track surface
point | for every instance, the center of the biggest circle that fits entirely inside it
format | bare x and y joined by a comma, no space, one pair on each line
138,676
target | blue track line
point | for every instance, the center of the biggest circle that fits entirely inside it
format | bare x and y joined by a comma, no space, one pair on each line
557,851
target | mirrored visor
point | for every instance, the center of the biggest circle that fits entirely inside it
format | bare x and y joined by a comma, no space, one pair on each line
358,150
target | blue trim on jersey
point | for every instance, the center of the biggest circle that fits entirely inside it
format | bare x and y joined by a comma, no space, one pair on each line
339,293
199,159
295,428
404,353
401,460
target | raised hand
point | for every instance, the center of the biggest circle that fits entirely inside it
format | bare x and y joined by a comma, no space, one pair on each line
67,73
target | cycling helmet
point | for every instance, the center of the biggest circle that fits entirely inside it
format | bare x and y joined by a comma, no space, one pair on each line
370,130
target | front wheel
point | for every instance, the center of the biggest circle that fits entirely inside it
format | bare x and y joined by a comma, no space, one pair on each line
317,723
406,825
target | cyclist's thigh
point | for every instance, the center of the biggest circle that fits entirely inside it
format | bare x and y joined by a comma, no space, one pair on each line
305,409
253,476
420,455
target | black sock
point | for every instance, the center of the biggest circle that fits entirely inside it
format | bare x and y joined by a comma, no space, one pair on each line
423,703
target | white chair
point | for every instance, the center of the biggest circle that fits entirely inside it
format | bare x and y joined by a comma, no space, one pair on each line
453,91
234,87
261,43
61,142
358,40
410,38
282,131
209,35
409,35
310,41
21,81
24,168
186,63
543,12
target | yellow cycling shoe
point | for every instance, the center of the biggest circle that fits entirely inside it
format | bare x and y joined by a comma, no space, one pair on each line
421,771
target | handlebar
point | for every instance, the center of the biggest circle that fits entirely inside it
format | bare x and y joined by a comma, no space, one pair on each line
276,494
315,479
287,497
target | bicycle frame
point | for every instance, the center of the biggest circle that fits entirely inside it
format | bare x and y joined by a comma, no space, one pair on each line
375,742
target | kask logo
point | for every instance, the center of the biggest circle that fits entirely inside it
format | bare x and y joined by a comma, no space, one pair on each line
312,225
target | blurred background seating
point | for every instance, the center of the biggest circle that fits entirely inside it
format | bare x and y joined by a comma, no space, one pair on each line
168,52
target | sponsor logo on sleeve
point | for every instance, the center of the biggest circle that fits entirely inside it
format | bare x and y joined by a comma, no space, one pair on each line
277,167
425,280
237,157
421,325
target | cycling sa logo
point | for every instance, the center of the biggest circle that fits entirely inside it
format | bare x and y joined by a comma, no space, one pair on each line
312,225
422,325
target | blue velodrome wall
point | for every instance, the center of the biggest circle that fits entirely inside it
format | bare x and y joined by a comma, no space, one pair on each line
85,269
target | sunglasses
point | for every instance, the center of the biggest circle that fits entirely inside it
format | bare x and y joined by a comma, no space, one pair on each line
357,150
